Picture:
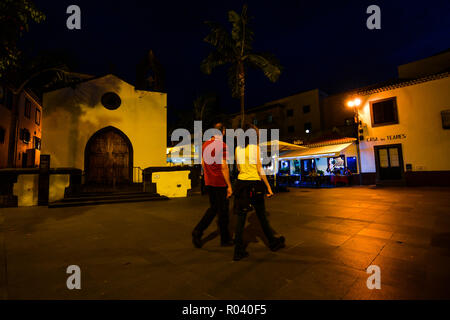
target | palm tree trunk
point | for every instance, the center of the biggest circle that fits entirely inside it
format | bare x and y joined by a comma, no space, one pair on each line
241,82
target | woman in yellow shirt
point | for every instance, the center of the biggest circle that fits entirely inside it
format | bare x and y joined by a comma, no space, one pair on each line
250,189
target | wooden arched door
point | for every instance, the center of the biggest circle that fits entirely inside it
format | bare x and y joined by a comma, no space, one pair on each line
109,158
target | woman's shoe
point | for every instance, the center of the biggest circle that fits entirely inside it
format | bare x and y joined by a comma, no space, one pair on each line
238,255
277,244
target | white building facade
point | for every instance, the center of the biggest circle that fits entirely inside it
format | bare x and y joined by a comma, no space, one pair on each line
405,132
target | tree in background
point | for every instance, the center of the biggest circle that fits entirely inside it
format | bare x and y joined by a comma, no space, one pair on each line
15,18
235,50
204,106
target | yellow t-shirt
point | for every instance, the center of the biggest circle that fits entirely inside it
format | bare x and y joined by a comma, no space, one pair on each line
246,159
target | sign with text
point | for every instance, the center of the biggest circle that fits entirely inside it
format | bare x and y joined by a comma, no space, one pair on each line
387,138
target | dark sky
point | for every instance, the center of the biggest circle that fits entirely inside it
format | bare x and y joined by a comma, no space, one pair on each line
321,44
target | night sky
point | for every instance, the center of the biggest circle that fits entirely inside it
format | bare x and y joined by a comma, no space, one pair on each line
323,44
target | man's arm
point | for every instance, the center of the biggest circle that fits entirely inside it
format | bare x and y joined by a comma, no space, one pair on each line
226,176
226,170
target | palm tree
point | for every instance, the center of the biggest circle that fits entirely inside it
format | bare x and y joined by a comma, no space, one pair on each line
235,49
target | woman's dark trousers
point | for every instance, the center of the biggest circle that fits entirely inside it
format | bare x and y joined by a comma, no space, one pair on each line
257,202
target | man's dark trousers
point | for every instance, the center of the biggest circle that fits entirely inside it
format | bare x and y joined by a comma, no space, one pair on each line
218,205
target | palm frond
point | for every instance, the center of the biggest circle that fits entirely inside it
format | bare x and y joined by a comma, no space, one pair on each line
213,60
236,22
267,63
219,37
241,32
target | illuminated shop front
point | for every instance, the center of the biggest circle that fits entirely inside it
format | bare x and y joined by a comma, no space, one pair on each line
322,163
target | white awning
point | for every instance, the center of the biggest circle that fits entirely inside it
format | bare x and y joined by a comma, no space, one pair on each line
316,152
283,146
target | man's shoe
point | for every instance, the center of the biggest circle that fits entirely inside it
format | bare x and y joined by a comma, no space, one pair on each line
277,244
197,239
238,255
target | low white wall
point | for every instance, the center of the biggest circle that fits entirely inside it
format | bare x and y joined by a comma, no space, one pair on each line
26,190
172,184
58,184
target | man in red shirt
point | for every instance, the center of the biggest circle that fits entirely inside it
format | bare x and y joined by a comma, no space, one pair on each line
218,186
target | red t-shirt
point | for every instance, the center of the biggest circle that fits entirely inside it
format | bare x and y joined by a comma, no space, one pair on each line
212,168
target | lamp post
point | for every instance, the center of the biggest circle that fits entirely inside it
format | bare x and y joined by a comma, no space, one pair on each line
354,104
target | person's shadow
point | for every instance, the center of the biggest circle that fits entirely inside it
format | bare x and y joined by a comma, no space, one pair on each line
252,231
211,236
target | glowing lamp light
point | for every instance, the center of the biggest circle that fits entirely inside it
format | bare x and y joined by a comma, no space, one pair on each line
307,130
354,103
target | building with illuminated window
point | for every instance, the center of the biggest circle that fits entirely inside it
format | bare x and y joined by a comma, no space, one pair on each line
404,124
298,117
404,129
20,129
399,128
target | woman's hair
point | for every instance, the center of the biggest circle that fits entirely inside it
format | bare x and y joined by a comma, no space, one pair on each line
219,126
247,126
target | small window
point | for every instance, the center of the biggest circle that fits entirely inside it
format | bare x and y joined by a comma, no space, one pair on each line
37,117
307,109
308,127
351,164
27,108
2,135
291,129
36,143
255,122
9,99
384,112
445,119
290,112
111,100
269,118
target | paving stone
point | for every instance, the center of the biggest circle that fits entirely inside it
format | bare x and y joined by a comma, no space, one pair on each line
405,275
354,259
404,252
375,233
320,282
365,244
144,250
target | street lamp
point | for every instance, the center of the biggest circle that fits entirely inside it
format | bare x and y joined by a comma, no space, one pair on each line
354,103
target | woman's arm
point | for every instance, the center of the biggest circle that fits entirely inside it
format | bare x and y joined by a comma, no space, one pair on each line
261,172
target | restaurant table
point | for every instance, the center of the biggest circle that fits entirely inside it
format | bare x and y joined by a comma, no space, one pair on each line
336,179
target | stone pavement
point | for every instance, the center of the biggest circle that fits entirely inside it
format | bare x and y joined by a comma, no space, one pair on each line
144,250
